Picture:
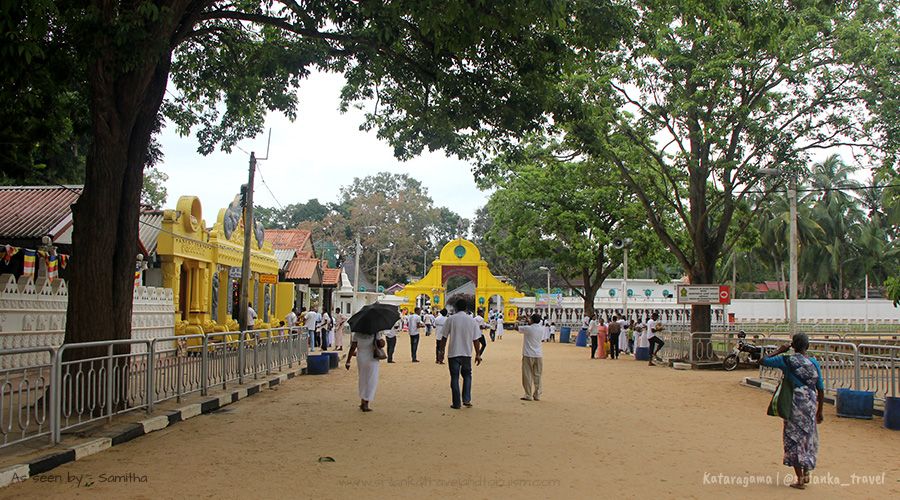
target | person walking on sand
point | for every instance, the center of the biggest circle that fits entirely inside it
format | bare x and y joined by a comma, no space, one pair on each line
391,337
309,320
656,343
413,321
601,338
614,330
339,329
800,434
428,320
363,347
479,320
327,330
440,341
592,329
532,359
462,335
499,320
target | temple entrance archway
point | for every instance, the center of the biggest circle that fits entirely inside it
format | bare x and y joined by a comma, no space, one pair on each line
461,258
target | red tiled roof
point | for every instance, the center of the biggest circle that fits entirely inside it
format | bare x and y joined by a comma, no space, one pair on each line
331,276
301,269
34,211
288,239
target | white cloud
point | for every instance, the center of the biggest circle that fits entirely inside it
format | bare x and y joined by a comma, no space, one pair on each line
311,157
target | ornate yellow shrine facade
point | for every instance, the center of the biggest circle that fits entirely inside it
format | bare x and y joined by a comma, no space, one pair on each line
461,257
202,267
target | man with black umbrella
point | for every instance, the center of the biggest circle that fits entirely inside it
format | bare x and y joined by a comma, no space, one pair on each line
462,335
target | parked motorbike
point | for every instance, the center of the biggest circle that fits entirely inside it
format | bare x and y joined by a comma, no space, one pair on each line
743,351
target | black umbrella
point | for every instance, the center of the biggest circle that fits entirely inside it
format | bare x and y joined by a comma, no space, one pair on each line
374,318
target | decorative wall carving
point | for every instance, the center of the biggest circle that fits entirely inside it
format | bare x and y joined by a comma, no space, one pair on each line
33,314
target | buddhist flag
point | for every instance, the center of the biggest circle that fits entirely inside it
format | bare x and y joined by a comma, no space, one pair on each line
52,270
30,257
63,260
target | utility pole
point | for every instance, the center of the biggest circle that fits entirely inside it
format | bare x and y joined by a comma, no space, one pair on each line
356,251
625,284
248,232
792,194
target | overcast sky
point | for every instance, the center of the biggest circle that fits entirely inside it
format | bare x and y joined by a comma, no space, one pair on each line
310,158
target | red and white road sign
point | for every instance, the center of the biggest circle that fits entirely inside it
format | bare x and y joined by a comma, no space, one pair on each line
703,294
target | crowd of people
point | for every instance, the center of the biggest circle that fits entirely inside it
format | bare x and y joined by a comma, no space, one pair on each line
460,338
325,330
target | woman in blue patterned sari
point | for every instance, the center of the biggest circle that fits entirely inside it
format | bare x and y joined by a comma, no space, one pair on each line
801,436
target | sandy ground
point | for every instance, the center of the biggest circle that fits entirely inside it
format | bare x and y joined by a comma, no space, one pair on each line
604,428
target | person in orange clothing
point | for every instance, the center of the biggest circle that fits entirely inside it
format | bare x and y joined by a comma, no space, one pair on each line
601,338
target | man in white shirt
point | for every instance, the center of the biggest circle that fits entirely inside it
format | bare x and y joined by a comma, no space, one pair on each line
251,316
325,326
413,322
532,359
479,320
499,320
656,343
428,319
462,335
290,320
391,338
309,320
440,340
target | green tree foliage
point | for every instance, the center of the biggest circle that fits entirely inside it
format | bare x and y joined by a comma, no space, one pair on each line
231,62
292,215
567,213
706,93
843,230
44,120
390,211
154,192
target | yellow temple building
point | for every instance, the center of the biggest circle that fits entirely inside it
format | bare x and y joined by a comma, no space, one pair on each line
460,257
203,268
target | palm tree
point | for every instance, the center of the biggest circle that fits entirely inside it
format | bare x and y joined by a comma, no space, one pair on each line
835,209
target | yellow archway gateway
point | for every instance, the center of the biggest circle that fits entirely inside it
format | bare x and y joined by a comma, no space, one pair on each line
461,257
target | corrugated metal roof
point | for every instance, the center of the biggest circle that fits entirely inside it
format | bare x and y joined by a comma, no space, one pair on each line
283,256
33,211
149,228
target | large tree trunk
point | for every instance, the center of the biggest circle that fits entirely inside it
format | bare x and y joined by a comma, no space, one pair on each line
104,241
701,317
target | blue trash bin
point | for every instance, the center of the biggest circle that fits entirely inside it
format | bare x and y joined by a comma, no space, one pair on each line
581,340
564,334
892,413
317,364
334,359
642,354
855,404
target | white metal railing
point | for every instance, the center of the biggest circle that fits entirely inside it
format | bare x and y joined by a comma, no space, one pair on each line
75,384
846,365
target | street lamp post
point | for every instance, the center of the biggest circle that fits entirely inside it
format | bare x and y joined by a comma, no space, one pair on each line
545,268
378,267
792,253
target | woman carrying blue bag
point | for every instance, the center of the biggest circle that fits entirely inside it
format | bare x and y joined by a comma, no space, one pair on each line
801,437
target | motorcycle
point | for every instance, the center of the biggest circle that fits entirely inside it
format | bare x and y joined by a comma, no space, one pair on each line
742,352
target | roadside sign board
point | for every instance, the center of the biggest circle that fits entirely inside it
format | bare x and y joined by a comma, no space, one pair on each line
703,294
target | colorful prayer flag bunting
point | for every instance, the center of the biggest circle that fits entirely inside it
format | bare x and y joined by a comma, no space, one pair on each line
52,272
29,258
